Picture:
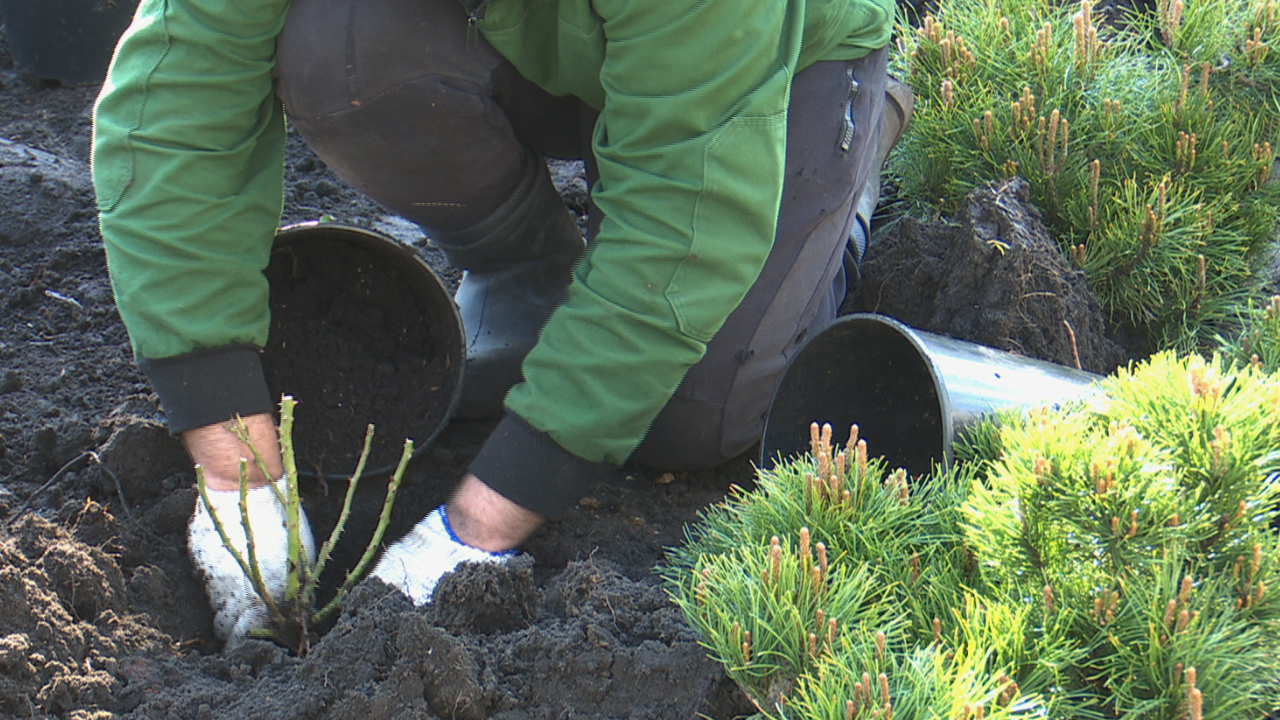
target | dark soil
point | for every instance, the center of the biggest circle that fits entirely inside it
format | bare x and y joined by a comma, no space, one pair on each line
101,614
341,305
994,276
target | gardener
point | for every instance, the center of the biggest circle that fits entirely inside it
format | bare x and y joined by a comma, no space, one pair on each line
733,146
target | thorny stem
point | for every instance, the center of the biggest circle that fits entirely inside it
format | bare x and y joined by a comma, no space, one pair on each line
322,557
298,560
303,575
255,572
254,578
384,518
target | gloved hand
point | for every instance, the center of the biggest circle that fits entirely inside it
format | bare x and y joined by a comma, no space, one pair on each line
237,608
417,561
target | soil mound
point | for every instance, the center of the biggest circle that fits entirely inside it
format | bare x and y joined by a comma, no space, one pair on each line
66,633
591,644
994,277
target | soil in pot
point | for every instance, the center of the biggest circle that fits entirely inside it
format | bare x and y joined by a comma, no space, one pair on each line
356,339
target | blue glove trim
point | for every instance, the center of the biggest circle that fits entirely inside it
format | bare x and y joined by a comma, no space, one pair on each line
448,529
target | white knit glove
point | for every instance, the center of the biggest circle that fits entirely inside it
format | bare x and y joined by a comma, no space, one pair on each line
417,561
237,608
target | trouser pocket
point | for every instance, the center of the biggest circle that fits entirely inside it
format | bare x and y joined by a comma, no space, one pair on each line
719,409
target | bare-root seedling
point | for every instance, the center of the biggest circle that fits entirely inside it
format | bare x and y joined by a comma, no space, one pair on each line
292,616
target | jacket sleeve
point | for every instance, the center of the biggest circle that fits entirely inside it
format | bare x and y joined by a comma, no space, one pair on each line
690,145
188,155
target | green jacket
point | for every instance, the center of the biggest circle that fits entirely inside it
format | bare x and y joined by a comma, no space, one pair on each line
188,156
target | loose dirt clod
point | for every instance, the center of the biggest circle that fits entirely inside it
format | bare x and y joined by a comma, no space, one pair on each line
63,623
994,277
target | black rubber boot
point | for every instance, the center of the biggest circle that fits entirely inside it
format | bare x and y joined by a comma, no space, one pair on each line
518,266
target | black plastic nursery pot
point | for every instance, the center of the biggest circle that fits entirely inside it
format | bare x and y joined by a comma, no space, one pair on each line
66,40
910,392
362,332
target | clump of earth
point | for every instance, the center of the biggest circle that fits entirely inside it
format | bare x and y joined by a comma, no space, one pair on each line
102,615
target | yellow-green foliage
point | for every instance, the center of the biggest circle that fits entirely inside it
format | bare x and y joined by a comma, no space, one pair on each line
1258,343
1109,559
1148,143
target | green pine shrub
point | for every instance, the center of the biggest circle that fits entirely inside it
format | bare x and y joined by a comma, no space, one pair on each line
1149,143
1258,342
1112,558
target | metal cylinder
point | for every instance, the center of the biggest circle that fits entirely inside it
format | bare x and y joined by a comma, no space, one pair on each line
910,392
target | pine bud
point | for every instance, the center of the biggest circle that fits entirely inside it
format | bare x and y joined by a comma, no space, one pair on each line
1010,691
1195,703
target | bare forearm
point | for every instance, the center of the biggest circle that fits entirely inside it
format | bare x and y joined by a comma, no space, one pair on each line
219,450
484,519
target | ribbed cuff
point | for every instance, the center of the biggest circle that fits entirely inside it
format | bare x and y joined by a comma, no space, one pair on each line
527,467
210,385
